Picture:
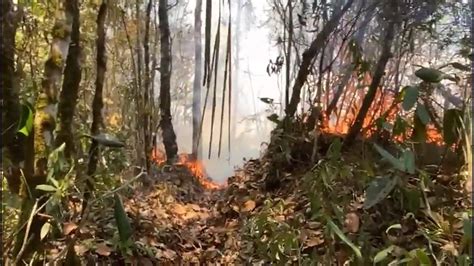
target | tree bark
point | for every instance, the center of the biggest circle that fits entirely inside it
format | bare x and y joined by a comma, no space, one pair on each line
44,124
169,137
385,55
70,88
146,95
98,101
308,57
288,53
197,78
9,98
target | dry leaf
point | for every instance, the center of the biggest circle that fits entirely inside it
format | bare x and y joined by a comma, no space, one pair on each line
178,209
80,249
451,248
314,241
352,222
195,207
103,250
68,228
169,254
249,205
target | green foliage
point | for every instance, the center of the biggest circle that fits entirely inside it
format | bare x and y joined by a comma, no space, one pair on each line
452,126
344,239
430,75
378,190
422,114
121,218
275,241
410,97
25,124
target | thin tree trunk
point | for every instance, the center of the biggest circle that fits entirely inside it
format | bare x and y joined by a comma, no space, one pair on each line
169,137
139,95
197,78
147,114
9,97
70,89
98,102
207,48
377,77
309,55
288,53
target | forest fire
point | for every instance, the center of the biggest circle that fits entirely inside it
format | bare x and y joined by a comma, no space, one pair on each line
384,106
195,167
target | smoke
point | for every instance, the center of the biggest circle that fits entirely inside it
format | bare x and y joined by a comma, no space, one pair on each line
248,119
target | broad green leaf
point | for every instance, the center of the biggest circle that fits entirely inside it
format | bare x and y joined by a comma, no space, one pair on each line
378,190
452,125
467,226
383,254
411,199
423,257
422,113
45,187
409,161
410,97
121,218
107,140
400,126
26,119
429,74
397,163
45,230
346,240
419,130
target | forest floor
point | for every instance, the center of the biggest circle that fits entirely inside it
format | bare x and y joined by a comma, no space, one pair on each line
315,213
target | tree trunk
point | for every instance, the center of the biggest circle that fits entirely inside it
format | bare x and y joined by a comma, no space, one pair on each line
44,125
308,57
288,53
9,98
146,96
70,89
197,78
169,137
97,103
377,77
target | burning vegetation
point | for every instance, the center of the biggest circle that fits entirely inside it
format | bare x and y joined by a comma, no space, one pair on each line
195,167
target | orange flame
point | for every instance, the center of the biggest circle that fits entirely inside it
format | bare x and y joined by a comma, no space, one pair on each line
384,104
194,166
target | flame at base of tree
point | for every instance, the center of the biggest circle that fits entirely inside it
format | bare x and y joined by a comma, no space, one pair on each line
195,167
385,106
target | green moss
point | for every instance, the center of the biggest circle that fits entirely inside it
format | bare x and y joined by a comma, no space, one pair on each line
61,29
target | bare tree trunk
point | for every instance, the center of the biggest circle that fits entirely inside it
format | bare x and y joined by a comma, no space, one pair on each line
309,55
9,97
70,89
378,74
288,53
97,103
147,114
197,78
169,137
